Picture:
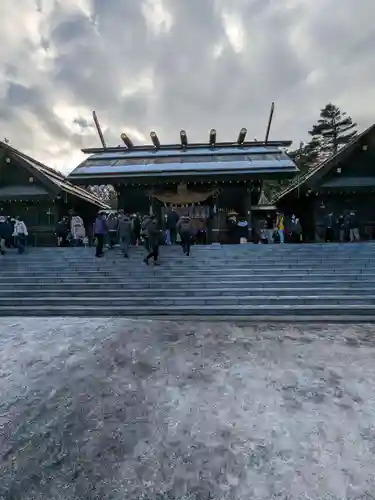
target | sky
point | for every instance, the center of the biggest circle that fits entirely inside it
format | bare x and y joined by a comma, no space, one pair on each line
167,65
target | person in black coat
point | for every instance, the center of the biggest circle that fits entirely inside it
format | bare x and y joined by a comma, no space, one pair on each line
136,229
171,225
153,237
6,232
62,231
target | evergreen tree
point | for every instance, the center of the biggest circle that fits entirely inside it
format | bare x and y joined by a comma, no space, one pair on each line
334,129
307,156
107,193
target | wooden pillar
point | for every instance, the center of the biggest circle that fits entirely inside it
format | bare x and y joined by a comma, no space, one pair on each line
214,235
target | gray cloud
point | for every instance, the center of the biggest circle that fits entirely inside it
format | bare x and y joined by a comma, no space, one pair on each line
174,64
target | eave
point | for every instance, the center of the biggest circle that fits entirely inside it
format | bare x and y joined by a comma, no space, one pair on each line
311,179
179,175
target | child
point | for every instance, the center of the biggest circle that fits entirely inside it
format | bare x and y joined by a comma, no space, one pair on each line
86,241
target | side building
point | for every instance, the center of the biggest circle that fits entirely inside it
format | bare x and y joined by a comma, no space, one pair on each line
341,184
40,195
206,181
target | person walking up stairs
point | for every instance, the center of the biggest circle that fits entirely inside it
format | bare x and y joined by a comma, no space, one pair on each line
125,233
5,233
153,239
185,230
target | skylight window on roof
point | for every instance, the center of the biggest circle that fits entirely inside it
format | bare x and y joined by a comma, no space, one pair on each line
264,157
131,161
98,163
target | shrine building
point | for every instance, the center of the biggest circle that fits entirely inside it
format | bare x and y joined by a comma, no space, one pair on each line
340,184
41,195
204,180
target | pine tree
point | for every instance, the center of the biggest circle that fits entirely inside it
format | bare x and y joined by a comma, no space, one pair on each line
334,129
105,192
307,156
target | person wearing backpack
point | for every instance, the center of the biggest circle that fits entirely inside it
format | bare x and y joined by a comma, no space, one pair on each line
153,239
185,230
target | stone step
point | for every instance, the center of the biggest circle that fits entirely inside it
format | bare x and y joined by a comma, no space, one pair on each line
197,283
274,282
185,265
268,313
233,252
225,247
197,302
193,256
201,252
186,273
68,291
152,271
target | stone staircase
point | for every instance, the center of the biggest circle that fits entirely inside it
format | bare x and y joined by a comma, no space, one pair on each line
245,282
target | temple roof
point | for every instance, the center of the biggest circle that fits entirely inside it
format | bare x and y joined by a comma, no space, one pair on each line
173,161
49,178
320,171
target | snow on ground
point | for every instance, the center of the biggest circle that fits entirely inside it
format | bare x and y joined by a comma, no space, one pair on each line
119,409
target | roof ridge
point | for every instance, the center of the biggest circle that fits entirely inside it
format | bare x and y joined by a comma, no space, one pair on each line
29,158
53,175
310,173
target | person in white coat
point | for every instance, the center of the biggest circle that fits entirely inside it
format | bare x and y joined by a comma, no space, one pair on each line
77,229
20,234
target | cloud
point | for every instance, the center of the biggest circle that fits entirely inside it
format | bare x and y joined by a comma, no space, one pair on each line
171,64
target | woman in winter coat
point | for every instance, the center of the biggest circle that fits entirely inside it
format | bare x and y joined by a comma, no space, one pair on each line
20,234
77,228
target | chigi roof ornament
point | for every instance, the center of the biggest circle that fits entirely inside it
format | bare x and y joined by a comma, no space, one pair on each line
183,144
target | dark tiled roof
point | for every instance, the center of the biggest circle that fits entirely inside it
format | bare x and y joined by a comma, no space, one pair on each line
349,182
323,167
11,192
55,177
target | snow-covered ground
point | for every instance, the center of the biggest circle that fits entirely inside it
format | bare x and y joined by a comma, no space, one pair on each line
119,409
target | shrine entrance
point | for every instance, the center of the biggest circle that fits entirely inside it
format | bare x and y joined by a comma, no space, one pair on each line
198,205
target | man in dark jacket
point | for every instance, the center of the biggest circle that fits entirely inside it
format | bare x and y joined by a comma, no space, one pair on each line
295,229
153,237
353,226
112,227
330,228
147,220
100,230
269,228
341,224
136,229
185,230
171,225
125,233
5,233
62,230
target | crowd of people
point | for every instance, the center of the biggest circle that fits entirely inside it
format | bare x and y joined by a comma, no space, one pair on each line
71,232
130,230
282,229
344,227
110,229
271,230
13,234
